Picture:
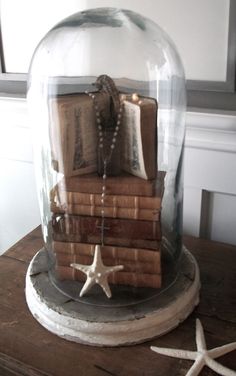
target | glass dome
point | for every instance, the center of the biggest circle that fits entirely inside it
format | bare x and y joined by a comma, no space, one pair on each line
107,98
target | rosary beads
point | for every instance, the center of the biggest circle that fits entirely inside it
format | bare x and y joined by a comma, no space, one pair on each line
105,158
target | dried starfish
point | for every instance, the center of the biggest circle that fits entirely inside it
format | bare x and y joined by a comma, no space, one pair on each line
97,273
202,356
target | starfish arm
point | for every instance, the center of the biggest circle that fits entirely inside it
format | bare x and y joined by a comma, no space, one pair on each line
105,286
222,350
200,338
202,356
97,258
114,269
219,368
86,287
82,268
175,353
196,367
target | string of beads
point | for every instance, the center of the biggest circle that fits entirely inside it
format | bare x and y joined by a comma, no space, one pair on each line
105,158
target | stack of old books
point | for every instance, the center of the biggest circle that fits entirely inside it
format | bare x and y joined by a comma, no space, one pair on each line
132,232
133,199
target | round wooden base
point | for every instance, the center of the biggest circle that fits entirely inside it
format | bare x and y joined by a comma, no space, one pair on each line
100,325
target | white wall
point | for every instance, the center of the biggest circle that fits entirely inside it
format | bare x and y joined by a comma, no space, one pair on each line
18,201
210,175
198,28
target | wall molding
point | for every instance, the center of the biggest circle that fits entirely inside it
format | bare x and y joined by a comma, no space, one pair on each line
210,175
214,130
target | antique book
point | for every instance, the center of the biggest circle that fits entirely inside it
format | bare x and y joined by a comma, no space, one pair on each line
116,206
108,240
64,259
118,278
124,184
94,199
139,136
73,132
109,212
128,255
116,228
61,197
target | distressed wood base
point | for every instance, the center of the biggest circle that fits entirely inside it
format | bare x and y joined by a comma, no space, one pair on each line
111,326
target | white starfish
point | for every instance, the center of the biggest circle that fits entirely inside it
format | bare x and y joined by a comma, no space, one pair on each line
202,356
97,273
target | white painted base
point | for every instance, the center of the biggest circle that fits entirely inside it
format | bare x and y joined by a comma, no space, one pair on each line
83,323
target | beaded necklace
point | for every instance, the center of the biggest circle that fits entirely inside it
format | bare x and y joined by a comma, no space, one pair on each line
106,159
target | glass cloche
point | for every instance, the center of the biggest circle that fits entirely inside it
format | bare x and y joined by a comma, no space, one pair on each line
107,98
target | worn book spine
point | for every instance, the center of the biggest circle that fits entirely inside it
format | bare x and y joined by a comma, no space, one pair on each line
125,184
108,240
135,255
62,197
63,259
118,278
109,212
117,228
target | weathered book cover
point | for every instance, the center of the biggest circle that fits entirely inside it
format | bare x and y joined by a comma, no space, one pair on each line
119,278
139,137
108,240
124,184
116,228
73,132
109,212
94,199
60,197
145,260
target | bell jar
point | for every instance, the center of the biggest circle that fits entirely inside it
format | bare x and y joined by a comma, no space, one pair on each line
107,100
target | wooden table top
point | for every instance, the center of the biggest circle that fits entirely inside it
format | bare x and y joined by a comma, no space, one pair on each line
26,348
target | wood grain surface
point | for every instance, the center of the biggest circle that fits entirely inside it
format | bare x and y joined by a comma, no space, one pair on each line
26,348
